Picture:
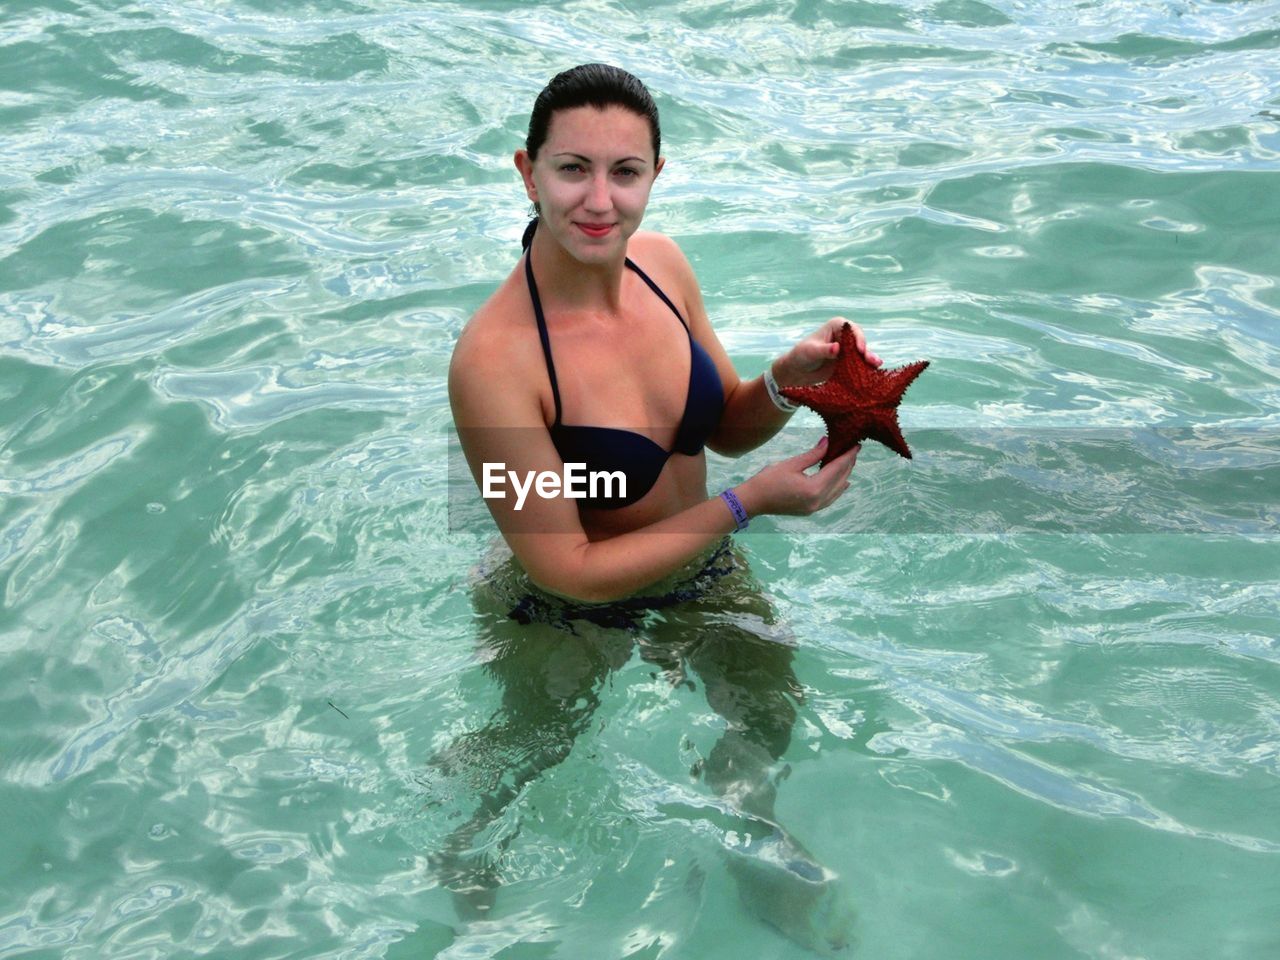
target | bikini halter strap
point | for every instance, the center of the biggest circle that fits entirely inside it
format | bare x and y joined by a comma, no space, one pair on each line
542,327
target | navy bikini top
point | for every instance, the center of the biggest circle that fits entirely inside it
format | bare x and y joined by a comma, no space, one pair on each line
610,449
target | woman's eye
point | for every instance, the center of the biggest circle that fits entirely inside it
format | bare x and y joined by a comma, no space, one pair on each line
628,172
571,167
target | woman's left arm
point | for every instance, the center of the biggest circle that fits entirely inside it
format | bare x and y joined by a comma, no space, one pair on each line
750,417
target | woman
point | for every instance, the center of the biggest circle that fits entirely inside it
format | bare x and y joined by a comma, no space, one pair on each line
597,335
578,358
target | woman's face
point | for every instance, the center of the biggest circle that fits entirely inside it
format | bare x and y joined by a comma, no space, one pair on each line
592,179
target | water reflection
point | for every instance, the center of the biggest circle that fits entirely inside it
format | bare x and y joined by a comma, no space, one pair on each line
552,673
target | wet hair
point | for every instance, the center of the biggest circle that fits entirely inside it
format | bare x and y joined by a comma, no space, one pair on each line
589,85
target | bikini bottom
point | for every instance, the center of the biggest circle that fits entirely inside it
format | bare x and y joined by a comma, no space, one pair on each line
697,581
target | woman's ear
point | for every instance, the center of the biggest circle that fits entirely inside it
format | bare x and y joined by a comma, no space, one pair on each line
524,163
657,167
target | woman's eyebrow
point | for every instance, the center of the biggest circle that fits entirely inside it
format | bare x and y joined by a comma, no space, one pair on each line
579,156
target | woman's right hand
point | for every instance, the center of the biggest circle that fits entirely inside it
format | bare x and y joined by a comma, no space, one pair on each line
784,488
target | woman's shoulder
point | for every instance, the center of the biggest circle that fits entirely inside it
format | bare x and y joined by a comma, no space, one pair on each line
659,249
661,257
498,344
665,263
499,320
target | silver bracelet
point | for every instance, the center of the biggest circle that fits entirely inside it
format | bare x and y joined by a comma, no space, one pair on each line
779,401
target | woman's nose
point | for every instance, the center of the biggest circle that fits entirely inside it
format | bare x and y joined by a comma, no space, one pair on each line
598,197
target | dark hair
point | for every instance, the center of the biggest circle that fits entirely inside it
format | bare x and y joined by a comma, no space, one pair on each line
591,85
588,85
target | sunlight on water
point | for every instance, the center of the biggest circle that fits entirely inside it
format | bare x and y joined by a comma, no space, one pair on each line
1019,695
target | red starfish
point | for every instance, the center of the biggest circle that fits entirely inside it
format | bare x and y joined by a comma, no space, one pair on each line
859,401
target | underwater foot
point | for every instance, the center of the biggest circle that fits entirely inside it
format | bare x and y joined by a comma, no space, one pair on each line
780,882
474,888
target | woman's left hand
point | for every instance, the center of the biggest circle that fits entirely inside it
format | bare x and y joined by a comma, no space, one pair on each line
813,358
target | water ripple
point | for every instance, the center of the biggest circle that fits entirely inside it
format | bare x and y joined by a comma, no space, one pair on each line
237,243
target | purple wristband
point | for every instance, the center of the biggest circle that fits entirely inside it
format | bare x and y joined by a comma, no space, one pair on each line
736,508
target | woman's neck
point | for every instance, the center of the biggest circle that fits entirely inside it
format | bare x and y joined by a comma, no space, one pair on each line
572,284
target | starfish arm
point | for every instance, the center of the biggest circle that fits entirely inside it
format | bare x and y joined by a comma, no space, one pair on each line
813,397
886,430
842,434
859,401
903,377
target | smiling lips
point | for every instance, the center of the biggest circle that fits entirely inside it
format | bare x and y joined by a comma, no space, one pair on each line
595,229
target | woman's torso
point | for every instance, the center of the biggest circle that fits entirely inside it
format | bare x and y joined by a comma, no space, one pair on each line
629,372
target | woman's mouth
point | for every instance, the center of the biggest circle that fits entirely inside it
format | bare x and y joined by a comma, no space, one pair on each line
595,229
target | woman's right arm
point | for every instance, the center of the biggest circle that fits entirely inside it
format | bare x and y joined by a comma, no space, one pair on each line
499,420
626,563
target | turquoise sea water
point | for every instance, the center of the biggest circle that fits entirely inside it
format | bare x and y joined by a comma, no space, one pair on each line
1033,676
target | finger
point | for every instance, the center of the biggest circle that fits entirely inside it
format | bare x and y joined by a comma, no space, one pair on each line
860,340
838,492
835,485
832,495
824,353
811,456
815,352
843,464
833,328
833,479
853,458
